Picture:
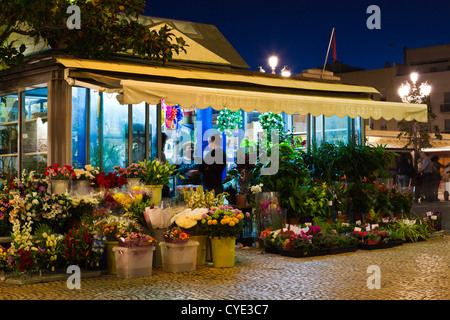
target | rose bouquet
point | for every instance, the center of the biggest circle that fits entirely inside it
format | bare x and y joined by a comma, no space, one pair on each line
110,180
88,173
56,172
134,170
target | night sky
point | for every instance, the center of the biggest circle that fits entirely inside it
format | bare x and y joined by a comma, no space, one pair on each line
299,31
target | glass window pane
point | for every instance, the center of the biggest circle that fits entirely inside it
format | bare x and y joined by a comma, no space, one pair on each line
153,142
34,136
138,144
94,129
115,133
318,130
9,109
79,114
336,129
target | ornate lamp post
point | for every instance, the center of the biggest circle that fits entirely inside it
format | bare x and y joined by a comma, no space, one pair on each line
410,92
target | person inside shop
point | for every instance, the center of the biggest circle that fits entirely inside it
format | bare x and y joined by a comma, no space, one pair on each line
405,172
436,176
212,166
426,172
188,166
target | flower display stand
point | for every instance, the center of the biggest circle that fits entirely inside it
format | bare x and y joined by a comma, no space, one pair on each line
60,186
110,256
201,249
339,250
223,252
386,245
301,254
179,257
133,262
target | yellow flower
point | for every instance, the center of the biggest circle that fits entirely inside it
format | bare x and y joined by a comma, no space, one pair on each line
231,223
210,222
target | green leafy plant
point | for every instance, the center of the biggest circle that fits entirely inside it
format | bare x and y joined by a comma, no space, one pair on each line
228,120
108,27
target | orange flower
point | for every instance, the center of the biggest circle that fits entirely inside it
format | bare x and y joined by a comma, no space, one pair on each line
183,236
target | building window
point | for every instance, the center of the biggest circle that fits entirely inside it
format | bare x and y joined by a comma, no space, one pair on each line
447,125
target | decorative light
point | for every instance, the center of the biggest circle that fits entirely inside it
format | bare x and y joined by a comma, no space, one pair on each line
404,90
425,89
413,94
260,69
414,76
285,72
273,62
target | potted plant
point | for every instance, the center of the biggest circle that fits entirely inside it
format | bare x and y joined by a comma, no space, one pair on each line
111,228
60,177
223,225
83,179
133,173
156,174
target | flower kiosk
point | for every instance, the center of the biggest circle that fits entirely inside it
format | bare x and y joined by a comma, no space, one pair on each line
107,115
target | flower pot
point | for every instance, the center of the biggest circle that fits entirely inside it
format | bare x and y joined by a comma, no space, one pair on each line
201,249
241,200
110,256
81,187
223,252
179,257
133,182
156,193
133,262
60,186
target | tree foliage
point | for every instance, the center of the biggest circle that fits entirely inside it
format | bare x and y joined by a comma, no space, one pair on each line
108,27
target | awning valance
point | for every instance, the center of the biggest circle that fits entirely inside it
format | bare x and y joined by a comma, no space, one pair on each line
135,92
244,90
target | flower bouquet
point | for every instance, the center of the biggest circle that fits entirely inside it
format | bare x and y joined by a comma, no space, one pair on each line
156,172
110,180
189,219
199,198
113,227
134,170
175,234
224,221
88,173
136,240
56,172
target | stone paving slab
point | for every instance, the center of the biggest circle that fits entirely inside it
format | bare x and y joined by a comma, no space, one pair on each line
412,271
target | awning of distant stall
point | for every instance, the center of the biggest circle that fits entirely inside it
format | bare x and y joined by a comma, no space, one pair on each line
249,91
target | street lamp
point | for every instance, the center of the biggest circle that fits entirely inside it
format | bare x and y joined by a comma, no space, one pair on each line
285,72
273,62
410,93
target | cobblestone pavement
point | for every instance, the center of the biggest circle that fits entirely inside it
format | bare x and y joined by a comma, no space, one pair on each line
408,272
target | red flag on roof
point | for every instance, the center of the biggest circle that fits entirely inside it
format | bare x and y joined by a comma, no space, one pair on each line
333,46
